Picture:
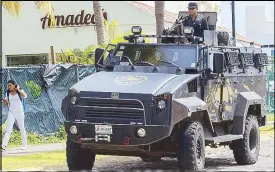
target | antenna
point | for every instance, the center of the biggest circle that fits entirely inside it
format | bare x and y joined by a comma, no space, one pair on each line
233,22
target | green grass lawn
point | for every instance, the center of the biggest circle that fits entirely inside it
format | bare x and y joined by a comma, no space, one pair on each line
36,162
267,130
270,117
33,161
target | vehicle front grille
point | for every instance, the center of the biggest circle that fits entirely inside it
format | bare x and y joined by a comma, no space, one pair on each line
116,111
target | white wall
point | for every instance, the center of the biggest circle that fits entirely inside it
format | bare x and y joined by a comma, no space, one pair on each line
268,51
240,16
257,26
24,35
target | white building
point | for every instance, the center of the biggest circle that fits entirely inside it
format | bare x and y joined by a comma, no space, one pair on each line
25,39
262,30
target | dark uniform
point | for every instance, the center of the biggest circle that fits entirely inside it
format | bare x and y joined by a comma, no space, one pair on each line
199,24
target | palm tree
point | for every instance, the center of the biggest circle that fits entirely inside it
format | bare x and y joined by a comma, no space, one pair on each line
14,7
159,13
99,23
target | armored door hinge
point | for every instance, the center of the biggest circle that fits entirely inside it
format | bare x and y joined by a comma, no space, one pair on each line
222,107
223,81
203,81
222,110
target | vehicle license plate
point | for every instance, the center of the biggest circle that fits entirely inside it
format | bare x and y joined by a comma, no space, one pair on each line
103,129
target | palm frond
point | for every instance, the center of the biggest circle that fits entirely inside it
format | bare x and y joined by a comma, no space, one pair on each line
48,8
12,7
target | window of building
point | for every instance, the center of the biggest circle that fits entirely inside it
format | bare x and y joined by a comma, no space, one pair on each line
27,59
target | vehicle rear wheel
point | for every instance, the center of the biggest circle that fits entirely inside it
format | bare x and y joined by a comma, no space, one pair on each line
150,158
77,158
191,154
246,150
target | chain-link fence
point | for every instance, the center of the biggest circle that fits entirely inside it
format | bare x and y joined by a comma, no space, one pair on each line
270,88
45,91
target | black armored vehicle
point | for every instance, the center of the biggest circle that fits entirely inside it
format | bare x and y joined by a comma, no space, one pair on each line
168,99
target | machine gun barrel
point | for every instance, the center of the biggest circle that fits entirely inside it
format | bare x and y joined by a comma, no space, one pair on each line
177,23
158,36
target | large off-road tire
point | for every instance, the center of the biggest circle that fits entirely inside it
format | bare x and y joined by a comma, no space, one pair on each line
150,159
223,38
77,158
191,155
246,150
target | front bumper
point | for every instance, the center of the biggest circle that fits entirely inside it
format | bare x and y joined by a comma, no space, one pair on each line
121,134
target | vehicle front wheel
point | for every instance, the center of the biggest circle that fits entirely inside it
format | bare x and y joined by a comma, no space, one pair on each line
246,150
191,155
77,158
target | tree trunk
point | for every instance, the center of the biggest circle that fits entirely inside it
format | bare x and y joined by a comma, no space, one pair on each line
99,22
159,13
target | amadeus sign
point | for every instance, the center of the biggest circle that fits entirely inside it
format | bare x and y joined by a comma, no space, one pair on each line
81,19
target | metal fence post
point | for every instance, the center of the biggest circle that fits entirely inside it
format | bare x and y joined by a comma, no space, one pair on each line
77,73
268,93
8,73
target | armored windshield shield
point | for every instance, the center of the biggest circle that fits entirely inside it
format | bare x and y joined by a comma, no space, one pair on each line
185,56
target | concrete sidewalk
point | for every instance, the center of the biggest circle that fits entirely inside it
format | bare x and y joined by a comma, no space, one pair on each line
32,149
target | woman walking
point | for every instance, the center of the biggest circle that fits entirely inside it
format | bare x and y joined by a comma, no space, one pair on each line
14,100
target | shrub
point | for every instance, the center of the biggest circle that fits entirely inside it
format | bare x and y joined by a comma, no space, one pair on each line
61,133
34,89
34,139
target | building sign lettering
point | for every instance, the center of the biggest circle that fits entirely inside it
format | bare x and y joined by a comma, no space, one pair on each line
71,20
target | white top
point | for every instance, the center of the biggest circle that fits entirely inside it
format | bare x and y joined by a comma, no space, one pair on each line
15,104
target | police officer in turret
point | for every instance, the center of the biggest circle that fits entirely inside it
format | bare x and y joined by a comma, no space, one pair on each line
197,21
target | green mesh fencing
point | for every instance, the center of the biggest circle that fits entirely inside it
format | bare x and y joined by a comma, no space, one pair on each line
270,88
43,105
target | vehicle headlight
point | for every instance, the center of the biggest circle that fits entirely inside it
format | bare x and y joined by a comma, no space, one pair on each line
73,129
136,30
73,100
141,132
161,104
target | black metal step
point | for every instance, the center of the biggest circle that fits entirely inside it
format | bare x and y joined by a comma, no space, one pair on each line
224,138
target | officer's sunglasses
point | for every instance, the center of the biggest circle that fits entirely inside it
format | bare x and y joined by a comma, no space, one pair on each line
191,8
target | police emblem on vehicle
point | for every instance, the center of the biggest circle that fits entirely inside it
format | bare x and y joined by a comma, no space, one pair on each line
115,95
130,80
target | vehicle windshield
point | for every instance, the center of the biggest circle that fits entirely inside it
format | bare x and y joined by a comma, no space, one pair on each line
183,56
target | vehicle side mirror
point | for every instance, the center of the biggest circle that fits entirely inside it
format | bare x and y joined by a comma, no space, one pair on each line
98,54
218,63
